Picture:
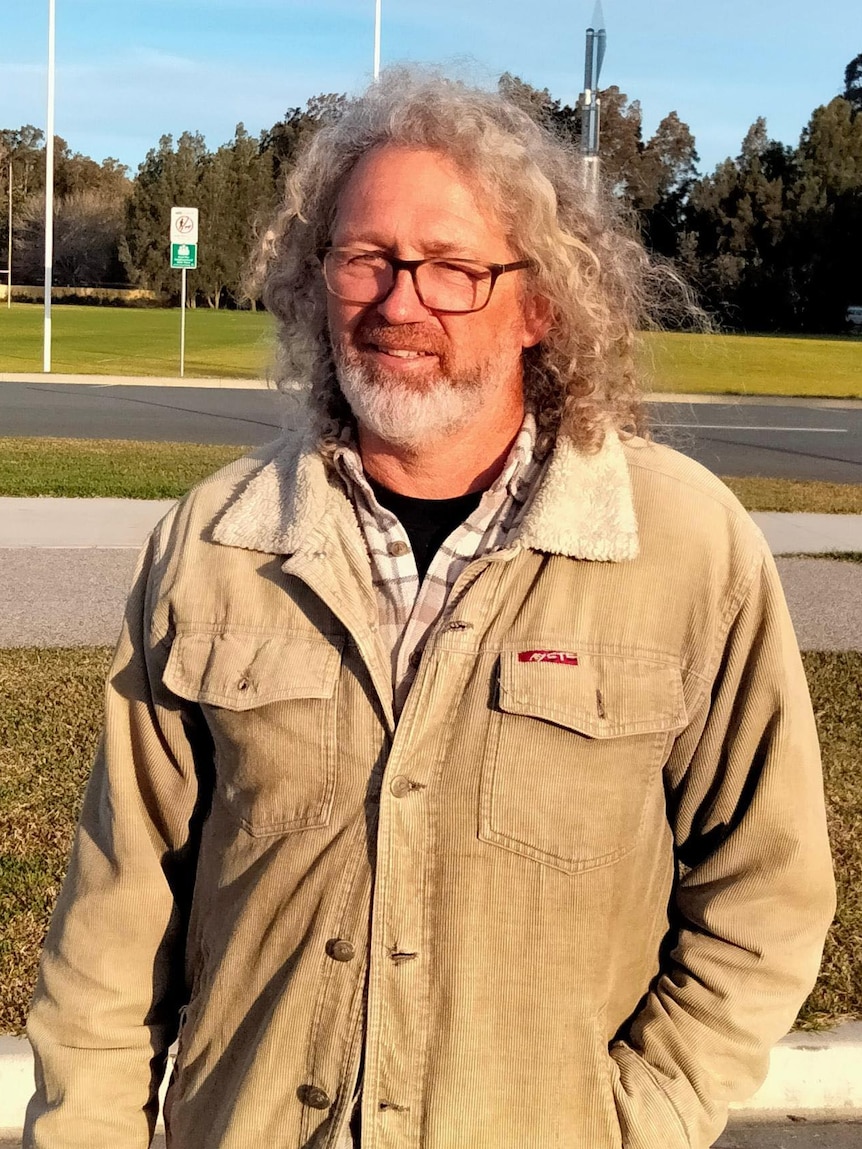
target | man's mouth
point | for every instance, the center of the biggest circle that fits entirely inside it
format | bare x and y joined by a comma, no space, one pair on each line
400,352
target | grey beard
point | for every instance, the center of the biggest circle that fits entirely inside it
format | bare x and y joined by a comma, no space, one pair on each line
408,417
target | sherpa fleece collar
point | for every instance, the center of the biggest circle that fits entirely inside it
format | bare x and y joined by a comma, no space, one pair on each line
582,507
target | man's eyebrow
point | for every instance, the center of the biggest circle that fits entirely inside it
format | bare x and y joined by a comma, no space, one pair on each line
432,249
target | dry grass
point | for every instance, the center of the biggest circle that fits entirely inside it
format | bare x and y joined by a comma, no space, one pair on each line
49,721
106,468
50,714
836,691
797,495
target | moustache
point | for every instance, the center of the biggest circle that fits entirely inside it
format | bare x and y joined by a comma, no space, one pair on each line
404,337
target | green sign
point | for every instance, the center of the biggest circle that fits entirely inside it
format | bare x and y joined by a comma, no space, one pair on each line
184,255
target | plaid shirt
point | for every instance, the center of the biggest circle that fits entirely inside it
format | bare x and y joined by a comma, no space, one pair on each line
407,610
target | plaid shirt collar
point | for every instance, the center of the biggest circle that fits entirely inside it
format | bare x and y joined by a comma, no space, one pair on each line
408,609
512,480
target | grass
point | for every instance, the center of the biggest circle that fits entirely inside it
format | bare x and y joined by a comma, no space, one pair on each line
835,681
797,495
49,723
237,344
755,365
106,468
137,341
833,556
119,468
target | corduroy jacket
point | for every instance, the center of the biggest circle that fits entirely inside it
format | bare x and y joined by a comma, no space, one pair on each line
569,901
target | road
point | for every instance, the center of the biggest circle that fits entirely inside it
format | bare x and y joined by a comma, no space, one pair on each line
768,439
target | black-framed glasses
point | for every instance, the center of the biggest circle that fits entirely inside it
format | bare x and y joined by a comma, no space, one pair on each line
453,285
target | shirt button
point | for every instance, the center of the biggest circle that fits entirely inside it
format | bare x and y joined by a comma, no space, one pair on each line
339,949
313,1097
400,785
397,549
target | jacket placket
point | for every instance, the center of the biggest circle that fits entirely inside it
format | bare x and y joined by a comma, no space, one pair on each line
397,1005
398,1041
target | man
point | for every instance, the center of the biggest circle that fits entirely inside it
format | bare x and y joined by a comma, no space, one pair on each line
460,787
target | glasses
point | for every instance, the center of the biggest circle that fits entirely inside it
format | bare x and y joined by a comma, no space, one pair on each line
454,285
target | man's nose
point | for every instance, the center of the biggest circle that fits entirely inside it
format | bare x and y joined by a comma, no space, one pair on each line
402,304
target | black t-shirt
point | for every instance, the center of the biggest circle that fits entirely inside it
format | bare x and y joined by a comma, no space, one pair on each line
428,522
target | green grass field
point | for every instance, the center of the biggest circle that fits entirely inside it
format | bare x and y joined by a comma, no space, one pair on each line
238,344
49,723
756,365
126,469
137,341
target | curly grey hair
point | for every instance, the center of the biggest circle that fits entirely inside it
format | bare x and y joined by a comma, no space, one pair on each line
587,263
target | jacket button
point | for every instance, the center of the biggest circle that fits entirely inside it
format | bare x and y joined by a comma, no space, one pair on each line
397,549
313,1097
400,785
339,949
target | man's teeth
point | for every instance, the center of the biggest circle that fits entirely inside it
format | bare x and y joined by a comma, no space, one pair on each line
400,354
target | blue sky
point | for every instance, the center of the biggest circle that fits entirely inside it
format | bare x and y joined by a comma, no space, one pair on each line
130,70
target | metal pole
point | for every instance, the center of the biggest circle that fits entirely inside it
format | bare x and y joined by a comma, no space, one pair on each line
183,327
378,19
49,191
9,246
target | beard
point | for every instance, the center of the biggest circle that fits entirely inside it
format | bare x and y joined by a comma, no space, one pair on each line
408,413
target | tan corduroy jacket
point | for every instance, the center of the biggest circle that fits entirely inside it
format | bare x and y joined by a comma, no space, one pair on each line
568,903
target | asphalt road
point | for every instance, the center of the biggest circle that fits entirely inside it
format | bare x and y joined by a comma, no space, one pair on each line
776,441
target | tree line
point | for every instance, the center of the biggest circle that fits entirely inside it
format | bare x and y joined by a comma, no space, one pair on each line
771,239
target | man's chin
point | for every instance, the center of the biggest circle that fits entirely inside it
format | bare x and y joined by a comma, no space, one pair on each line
407,413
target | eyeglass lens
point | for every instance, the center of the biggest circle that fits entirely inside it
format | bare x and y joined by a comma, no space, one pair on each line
442,284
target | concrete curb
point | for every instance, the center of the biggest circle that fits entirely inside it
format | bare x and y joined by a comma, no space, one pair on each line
136,381
808,1072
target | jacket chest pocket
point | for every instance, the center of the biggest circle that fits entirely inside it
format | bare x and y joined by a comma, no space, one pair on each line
573,749
270,703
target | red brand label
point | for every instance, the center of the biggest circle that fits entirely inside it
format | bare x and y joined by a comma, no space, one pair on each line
561,657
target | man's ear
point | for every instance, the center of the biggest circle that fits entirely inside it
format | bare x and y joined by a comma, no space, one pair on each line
538,317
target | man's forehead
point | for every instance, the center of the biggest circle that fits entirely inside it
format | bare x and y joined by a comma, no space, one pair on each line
395,188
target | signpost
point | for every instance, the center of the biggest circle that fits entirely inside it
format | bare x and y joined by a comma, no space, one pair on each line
184,257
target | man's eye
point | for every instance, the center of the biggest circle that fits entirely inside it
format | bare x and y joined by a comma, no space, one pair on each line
365,261
471,270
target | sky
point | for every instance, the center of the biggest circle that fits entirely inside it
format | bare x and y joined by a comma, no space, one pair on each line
129,71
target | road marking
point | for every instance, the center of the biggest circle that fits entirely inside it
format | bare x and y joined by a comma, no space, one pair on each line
740,427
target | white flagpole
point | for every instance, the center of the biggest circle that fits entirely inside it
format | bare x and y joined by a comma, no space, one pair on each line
49,191
378,15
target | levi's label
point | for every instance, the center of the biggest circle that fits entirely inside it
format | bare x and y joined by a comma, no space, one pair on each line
560,657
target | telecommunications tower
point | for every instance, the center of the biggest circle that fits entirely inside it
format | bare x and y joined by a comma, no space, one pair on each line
591,105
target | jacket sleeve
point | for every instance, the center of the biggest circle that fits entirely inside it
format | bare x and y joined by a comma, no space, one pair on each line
754,894
111,980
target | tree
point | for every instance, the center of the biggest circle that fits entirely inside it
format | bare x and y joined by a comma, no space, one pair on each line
285,138
168,177
236,192
87,229
735,223
828,227
853,83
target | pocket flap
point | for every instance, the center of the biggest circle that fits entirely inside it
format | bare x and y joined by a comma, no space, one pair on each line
238,670
597,694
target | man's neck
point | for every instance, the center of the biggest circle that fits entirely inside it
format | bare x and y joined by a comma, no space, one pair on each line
470,460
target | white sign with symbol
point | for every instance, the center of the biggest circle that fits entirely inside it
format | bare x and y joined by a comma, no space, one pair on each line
184,225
